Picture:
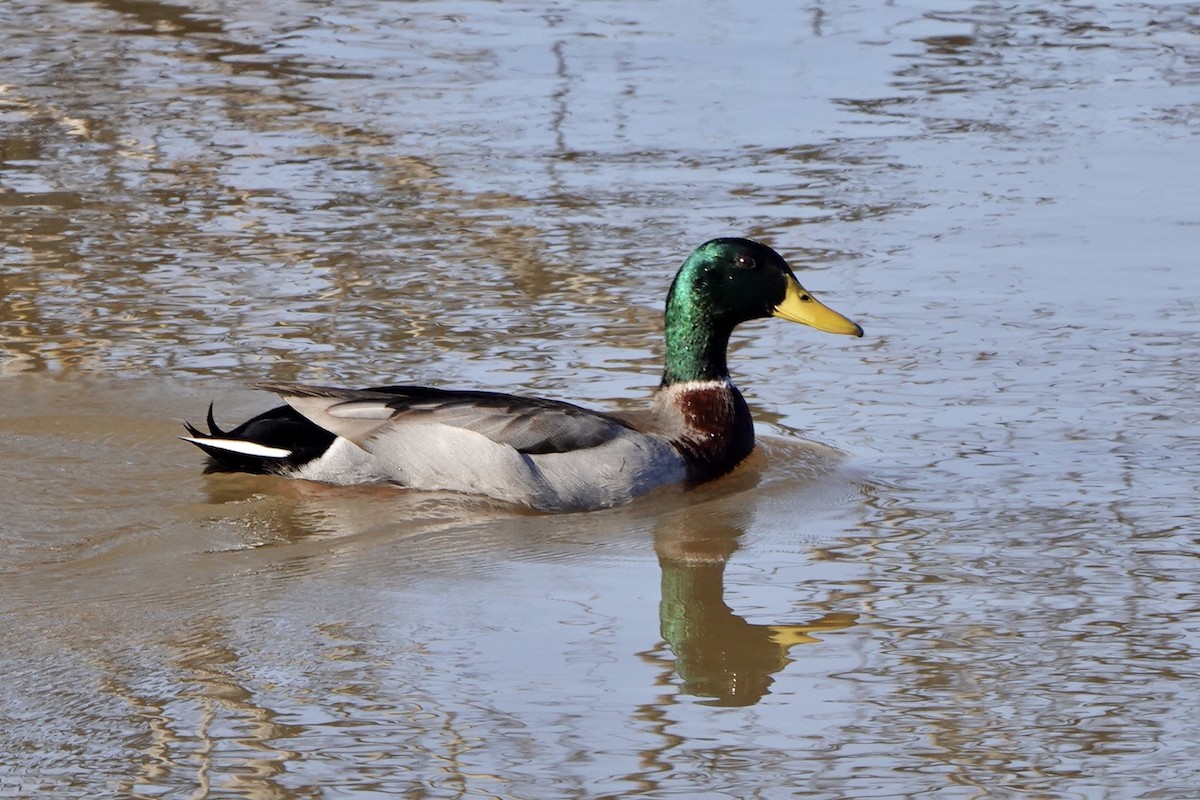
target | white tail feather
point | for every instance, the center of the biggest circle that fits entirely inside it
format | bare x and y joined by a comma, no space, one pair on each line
241,446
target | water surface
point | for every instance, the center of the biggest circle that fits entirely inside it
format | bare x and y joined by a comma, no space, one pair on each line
962,564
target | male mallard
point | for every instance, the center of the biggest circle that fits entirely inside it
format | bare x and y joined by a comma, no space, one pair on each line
543,453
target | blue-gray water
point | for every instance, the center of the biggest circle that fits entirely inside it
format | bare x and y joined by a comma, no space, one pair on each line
993,594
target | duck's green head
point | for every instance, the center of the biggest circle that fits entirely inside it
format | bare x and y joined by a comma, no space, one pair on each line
724,283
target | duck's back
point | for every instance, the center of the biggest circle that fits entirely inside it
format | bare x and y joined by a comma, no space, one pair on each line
541,453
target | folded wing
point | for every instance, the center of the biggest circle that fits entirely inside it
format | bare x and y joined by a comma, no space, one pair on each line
529,425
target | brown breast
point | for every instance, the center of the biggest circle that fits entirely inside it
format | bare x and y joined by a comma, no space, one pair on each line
708,423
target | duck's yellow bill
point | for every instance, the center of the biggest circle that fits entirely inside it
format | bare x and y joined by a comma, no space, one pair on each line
800,306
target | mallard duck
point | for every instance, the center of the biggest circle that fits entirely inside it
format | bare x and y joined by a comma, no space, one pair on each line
546,454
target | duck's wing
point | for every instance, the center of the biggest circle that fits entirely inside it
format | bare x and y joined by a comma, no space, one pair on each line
529,425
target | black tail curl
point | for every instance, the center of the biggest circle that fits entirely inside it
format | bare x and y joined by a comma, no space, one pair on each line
282,428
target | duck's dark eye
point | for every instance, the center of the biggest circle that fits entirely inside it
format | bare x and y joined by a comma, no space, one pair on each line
746,262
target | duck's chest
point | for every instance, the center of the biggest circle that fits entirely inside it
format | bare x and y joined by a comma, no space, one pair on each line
709,424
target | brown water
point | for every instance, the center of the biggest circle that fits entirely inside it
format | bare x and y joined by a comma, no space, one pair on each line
992,594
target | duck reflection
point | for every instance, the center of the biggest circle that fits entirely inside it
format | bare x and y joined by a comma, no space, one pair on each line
718,654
